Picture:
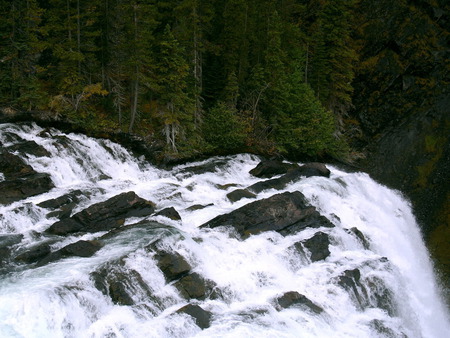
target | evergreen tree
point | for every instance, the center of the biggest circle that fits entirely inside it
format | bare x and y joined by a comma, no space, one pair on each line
175,108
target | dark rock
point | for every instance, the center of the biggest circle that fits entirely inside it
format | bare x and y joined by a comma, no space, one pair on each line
239,194
9,240
121,284
35,254
24,187
194,286
210,166
307,170
173,265
105,215
318,246
278,213
170,213
12,166
71,197
358,234
202,317
78,249
65,226
29,148
199,206
270,168
350,281
293,298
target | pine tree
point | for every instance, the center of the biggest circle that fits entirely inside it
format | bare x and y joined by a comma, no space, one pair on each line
174,105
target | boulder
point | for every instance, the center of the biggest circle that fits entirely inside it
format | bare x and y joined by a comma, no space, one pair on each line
199,206
293,298
172,265
270,168
360,236
202,318
306,170
54,203
194,286
29,148
20,180
78,249
280,212
170,213
35,254
239,194
318,246
105,215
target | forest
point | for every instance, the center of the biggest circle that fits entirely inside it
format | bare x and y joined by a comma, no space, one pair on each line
297,78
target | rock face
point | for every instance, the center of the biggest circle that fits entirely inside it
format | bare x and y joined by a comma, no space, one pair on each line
307,170
202,318
105,215
20,180
318,246
293,298
270,168
284,212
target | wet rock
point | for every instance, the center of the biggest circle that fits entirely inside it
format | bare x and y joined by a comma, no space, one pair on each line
239,194
124,286
54,203
12,166
270,168
172,265
202,318
29,148
9,240
284,213
199,206
358,234
293,298
78,249
307,170
20,180
350,281
35,254
64,204
194,286
105,215
318,246
170,213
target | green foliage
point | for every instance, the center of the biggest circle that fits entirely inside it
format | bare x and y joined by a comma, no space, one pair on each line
223,130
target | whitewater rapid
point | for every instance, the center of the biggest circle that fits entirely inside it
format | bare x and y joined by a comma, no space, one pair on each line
60,299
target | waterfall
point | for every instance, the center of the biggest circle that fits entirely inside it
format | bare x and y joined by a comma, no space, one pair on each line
376,281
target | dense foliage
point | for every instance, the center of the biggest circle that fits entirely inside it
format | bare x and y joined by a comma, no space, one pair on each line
274,76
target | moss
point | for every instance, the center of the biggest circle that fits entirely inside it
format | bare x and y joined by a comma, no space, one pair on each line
433,146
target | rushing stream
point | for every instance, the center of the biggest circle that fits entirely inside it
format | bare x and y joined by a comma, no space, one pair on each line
396,294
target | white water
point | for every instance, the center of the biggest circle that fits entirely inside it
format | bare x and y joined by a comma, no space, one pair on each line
60,299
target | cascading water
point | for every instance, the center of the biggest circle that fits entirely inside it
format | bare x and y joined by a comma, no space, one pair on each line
377,280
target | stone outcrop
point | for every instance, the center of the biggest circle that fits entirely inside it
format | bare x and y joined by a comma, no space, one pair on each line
293,298
285,213
202,318
270,168
105,215
20,180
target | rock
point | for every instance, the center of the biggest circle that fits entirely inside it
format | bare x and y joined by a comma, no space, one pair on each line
170,213
121,284
80,248
173,265
199,206
201,317
318,246
105,215
307,170
358,234
270,168
194,286
280,212
350,281
10,240
71,197
12,166
239,194
29,148
20,180
293,298
35,254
